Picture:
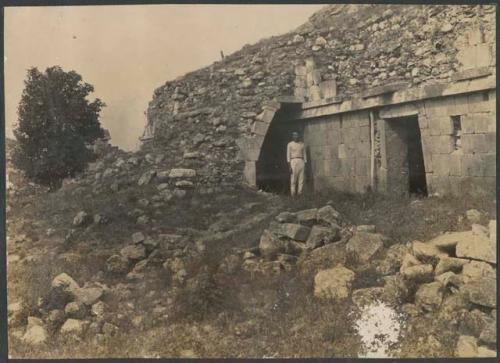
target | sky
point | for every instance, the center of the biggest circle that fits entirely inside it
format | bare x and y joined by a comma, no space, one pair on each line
128,51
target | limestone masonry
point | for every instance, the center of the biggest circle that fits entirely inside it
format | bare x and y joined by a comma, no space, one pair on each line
391,98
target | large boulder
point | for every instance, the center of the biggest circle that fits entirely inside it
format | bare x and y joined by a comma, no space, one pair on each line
481,292
89,295
334,283
322,235
466,347
293,231
448,241
475,270
477,247
65,284
418,273
270,244
307,216
35,334
364,246
16,312
426,251
75,310
395,290
429,296
391,262
328,215
73,327
453,264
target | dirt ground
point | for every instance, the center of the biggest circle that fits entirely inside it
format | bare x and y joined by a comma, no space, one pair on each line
230,312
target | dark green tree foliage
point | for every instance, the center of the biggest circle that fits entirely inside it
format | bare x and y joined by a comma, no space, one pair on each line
56,123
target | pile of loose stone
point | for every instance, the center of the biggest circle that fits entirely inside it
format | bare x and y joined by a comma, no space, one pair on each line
291,234
452,276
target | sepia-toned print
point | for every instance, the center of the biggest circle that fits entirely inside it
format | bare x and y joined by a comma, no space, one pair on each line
251,181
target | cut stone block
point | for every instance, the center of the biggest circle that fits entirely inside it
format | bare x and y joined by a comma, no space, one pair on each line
328,88
365,245
293,231
334,283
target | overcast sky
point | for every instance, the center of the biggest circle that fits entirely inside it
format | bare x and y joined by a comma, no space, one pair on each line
128,51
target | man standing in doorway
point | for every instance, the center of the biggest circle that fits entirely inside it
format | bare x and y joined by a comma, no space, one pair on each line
296,158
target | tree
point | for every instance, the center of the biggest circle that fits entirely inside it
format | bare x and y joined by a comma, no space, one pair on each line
56,123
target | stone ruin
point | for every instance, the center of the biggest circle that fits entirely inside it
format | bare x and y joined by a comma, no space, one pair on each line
388,98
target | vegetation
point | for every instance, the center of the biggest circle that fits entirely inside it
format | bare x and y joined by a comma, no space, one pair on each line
55,125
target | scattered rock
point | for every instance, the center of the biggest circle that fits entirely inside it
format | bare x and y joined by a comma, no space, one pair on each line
65,283
73,327
473,215
117,264
477,248
182,173
138,237
296,232
418,273
286,217
307,216
369,228
98,309
328,215
89,295
75,310
334,283
365,245
133,252
475,270
35,334
16,313
270,245
483,352
426,251
448,241
429,296
481,292
446,264
82,219
489,333
109,329
466,347
322,235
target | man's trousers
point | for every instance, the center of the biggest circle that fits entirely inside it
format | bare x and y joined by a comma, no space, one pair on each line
297,177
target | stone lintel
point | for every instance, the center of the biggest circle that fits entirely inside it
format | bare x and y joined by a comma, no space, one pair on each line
321,108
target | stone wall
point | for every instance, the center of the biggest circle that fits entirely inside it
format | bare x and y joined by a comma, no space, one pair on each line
356,48
458,143
458,160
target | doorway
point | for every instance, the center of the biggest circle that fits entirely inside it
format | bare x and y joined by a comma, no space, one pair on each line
272,174
405,158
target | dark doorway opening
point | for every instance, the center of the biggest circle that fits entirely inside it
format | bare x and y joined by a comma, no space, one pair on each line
272,167
405,158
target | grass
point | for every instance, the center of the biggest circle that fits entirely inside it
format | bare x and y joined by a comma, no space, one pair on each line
274,315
